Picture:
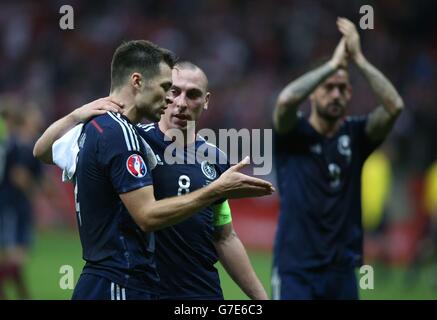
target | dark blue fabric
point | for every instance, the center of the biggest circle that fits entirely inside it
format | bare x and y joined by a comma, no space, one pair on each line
16,216
326,284
319,182
113,245
185,253
92,287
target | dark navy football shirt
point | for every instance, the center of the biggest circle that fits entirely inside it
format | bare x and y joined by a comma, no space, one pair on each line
9,156
185,253
111,161
14,153
319,182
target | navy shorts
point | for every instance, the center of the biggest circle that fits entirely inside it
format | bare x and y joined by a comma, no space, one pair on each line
94,287
324,284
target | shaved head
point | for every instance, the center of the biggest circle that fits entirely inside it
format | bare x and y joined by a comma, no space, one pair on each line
187,65
188,97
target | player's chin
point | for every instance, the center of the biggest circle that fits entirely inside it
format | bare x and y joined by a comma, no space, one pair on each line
155,117
179,124
179,127
336,115
336,111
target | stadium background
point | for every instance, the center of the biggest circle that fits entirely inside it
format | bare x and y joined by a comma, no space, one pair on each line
249,50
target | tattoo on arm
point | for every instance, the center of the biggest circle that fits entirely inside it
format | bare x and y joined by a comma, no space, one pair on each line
223,233
284,116
379,124
382,119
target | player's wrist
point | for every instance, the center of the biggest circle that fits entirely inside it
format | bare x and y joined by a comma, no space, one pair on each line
333,65
215,190
73,118
78,115
359,59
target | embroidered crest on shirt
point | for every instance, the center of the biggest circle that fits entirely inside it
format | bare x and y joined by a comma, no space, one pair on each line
208,170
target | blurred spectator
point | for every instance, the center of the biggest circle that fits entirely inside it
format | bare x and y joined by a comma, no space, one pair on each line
20,175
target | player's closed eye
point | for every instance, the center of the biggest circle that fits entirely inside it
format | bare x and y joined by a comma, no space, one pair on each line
342,88
174,91
329,87
194,94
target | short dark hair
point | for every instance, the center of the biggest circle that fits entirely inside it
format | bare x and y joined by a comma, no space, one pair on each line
138,56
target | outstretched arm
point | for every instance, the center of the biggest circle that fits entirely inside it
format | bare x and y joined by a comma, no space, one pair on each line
234,259
296,92
151,215
43,147
382,118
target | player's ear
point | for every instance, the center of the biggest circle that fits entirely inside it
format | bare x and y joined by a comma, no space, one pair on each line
207,96
136,80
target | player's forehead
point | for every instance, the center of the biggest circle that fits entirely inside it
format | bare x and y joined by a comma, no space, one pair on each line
339,77
186,79
163,75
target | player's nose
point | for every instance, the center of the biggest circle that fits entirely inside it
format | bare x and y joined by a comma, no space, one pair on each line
181,103
335,93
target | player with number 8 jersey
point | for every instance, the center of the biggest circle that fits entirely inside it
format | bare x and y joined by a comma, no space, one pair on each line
185,252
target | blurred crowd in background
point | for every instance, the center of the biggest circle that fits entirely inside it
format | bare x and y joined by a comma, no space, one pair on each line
249,50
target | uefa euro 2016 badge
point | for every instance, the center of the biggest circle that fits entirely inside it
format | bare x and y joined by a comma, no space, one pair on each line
136,166
208,170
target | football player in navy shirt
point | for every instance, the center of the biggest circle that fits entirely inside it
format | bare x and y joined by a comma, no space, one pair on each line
115,202
195,244
186,252
318,164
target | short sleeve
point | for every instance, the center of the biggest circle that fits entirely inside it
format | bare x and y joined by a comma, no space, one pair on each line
124,161
365,145
289,141
129,171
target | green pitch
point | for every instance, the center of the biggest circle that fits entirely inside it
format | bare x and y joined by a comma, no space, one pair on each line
52,250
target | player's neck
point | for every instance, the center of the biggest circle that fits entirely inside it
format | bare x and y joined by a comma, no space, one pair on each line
323,126
130,111
188,133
